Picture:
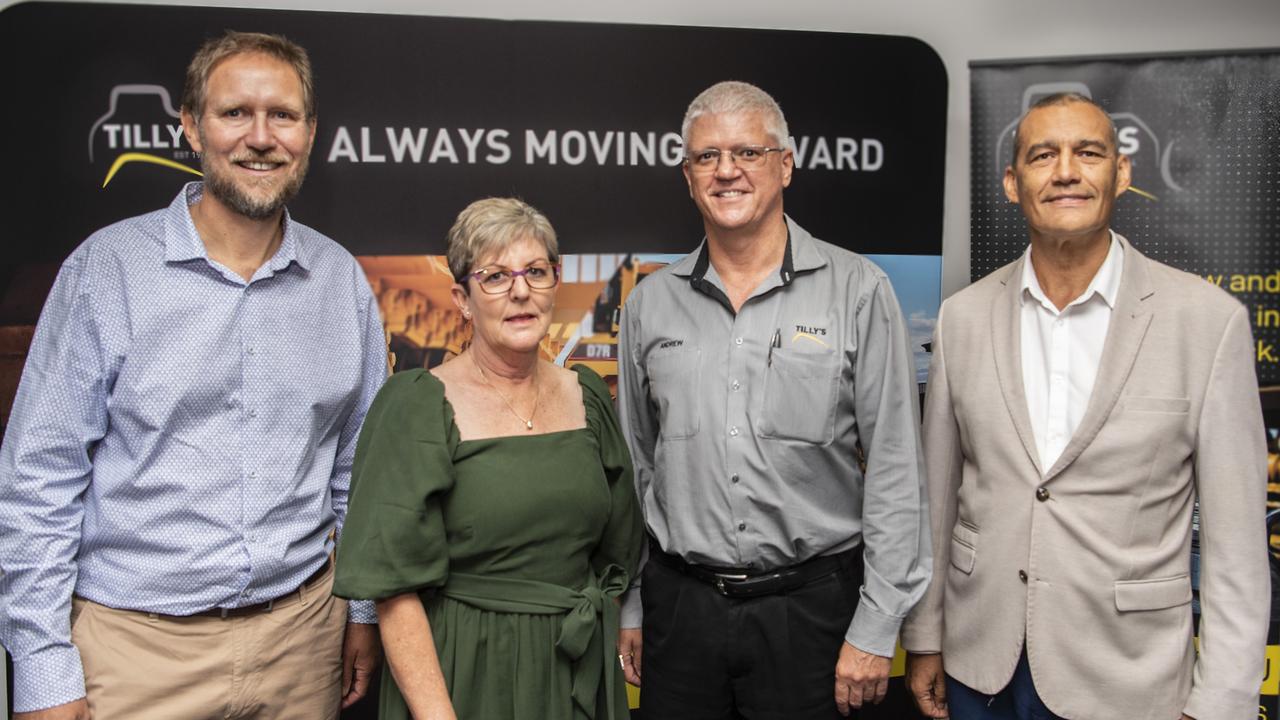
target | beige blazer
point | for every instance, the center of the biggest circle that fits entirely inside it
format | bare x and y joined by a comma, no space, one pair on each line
1088,562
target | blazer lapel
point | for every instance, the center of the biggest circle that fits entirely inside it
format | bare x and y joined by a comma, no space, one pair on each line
1129,322
1006,340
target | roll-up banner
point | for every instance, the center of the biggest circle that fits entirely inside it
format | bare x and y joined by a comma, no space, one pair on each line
1203,135
1202,132
419,116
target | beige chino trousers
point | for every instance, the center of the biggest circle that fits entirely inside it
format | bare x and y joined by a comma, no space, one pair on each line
285,664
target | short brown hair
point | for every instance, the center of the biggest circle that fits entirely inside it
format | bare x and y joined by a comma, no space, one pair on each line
488,226
215,50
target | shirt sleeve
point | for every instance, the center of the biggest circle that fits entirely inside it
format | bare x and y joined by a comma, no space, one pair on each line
640,429
58,415
394,539
620,544
373,375
895,531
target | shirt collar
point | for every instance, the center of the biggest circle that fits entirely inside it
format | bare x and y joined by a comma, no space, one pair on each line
182,242
800,256
1105,282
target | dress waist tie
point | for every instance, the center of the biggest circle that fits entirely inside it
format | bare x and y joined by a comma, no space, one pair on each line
582,638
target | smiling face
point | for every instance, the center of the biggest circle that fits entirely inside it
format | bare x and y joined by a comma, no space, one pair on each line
1067,173
513,322
732,200
253,136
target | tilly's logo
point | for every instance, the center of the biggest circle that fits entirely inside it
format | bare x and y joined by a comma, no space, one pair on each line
140,126
811,333
1149,158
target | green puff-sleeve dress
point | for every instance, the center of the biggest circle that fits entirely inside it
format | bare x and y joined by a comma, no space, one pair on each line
519,547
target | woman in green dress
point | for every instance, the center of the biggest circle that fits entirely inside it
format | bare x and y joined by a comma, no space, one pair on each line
492,514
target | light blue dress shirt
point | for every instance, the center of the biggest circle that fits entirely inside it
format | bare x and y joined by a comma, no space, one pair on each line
181,439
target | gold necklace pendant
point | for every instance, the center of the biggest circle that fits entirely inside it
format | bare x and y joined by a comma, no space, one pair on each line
537,392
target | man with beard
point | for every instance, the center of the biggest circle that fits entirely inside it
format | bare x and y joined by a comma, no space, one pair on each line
178,457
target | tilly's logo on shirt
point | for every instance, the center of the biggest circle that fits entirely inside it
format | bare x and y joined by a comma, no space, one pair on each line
670,344
810,333
140,125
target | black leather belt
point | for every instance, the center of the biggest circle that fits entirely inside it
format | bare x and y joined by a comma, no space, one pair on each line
746,583
270,604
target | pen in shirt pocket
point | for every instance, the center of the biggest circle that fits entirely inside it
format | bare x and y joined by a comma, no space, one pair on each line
776,342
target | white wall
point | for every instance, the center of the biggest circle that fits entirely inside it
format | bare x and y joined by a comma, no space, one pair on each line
959,30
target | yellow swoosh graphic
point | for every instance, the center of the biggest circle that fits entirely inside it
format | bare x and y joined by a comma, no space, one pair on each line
807,336
144,157
1143,193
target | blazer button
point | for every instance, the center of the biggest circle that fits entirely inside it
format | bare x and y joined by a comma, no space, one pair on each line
1022,575
1042,494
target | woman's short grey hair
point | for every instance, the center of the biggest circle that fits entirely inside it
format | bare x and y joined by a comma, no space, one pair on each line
486,227
731,97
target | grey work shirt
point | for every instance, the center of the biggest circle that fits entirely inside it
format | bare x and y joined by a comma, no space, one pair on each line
743,427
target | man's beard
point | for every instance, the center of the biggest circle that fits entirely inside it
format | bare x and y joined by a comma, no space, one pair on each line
221,186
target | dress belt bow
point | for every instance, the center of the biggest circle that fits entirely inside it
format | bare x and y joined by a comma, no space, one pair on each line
590,616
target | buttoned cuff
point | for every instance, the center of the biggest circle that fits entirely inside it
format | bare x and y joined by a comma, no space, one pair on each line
872,631
48,678
632,612
362,611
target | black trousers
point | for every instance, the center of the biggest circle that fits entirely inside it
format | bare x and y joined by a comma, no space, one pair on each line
711,657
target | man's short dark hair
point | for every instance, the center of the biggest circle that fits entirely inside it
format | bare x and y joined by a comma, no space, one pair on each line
232,43
1062,98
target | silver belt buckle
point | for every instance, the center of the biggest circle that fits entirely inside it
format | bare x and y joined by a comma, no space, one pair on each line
721,578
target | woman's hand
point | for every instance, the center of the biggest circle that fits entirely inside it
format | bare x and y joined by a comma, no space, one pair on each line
629,647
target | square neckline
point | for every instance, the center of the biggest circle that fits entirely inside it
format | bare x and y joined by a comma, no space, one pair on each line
453,414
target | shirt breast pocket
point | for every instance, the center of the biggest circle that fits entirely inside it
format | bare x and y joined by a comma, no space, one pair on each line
800,397
673,386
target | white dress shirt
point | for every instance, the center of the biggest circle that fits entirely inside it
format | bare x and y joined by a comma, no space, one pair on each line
1061,351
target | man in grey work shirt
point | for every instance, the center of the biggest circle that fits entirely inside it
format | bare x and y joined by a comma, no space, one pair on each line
751,372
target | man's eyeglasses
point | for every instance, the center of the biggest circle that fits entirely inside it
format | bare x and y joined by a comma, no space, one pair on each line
495,279
747,157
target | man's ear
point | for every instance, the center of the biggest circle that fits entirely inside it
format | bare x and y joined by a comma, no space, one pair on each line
1124,174
1011,184
191,129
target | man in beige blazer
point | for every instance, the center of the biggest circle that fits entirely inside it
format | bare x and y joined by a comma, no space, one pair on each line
1081,399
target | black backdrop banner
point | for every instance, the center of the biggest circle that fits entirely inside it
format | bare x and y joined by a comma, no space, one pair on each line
1203,134
418,116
